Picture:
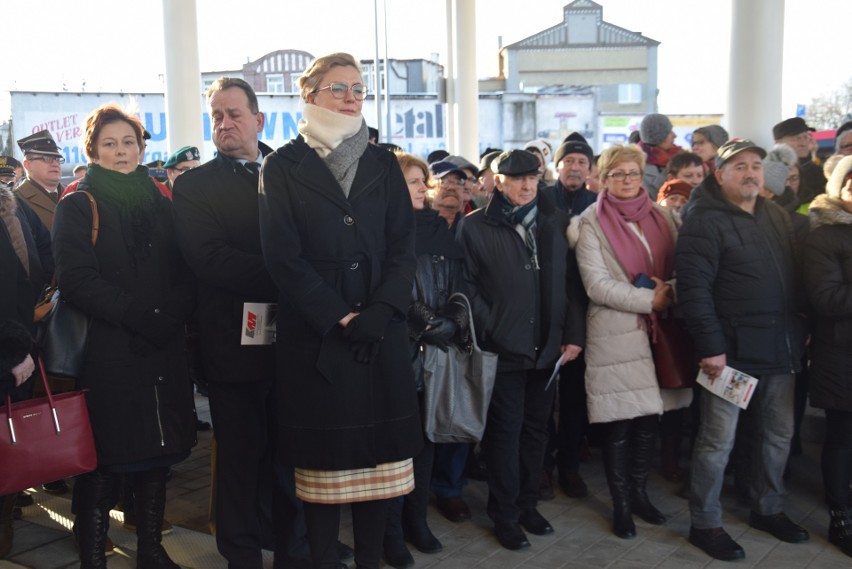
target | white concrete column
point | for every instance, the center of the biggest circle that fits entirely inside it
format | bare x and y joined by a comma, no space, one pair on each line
757,47
184,101
450,85
466,83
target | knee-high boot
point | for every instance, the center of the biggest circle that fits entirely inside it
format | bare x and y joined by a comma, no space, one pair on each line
641,453
149,488
97,493
616,452
395,552
416,505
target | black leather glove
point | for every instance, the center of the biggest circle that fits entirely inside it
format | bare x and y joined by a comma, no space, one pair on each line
418,319
152,324
457,312
363,352
439,335
370,325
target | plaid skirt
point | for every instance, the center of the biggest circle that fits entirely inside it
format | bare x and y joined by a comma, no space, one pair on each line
357,485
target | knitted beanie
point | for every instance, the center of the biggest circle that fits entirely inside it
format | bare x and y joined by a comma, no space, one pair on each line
654,128
714,133
776,168
674,186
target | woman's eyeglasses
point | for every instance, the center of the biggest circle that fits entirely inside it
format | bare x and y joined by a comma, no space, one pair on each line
620,176
338,90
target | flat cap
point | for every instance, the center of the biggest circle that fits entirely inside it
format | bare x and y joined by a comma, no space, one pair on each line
790,127
516,163
487,159
185,154
40,142
734,147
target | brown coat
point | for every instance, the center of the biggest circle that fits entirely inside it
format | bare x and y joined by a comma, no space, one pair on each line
40,200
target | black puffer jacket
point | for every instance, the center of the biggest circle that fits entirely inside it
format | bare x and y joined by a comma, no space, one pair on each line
828,274
522,314
736,285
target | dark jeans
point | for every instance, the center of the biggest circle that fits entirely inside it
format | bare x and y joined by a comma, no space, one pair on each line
837,458
515,440
448,474
573,415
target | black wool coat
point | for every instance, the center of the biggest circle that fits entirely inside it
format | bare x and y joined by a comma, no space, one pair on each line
737,284
331,255
218,231
828,278
522,314
140,404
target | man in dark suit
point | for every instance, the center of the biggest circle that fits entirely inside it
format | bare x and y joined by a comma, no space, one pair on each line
218,231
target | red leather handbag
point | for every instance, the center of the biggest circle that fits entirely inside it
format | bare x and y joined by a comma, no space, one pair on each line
45,439
674,354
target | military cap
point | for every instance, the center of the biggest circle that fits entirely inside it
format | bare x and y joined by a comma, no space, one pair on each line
734,147
8,165
516,163
573,147
40,142
443,167
790,127
185,154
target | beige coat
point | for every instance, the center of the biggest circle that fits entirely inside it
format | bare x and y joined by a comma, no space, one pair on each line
39,200
621,382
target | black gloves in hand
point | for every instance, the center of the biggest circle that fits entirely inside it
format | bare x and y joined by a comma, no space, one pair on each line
153,325
457,312
366,330
369,326
439,335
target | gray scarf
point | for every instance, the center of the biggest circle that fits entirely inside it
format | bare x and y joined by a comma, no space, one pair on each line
343,160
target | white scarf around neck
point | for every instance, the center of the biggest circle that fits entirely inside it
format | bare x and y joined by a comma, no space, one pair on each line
324,129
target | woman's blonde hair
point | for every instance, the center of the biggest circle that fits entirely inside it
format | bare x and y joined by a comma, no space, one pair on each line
615,155
312,77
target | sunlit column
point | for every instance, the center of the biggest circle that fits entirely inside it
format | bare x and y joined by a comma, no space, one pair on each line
466,83
184,106
757,47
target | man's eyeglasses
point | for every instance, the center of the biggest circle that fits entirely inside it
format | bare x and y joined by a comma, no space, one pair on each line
48,159
620,176
338,90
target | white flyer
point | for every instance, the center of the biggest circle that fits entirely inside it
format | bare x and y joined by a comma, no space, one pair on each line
258,323
733,386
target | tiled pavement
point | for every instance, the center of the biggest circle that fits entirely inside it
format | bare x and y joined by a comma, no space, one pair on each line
582,537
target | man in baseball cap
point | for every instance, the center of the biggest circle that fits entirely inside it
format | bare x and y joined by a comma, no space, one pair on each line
736,292
43,163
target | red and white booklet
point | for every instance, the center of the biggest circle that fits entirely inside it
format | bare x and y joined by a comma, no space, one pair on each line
733,386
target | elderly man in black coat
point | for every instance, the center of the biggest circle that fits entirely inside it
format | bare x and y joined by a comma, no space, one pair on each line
218,231
528,307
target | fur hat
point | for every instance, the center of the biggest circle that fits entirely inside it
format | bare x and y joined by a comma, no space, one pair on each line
654,128
776,168
842,171
714,133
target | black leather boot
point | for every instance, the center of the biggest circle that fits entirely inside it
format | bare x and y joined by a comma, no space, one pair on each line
416,505
149,488
840,530
7,506
642,437
616,451
394,551
96,493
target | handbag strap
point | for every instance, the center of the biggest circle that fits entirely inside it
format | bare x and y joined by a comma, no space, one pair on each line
96,225
47,392
463,298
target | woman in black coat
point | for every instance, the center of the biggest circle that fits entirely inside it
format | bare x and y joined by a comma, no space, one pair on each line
338,238
828,272
134,285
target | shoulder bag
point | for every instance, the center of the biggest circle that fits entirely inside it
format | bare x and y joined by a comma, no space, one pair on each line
45,439
674,353
63,329
457,389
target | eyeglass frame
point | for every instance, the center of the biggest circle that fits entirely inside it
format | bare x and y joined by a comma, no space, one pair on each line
184,169
348,88
47,158
621,176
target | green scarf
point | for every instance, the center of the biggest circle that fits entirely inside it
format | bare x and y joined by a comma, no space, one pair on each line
134,195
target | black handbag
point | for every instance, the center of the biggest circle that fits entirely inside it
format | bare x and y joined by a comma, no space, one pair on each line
63,329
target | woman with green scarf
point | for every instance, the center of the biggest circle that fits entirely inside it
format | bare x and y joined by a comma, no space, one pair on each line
133,284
